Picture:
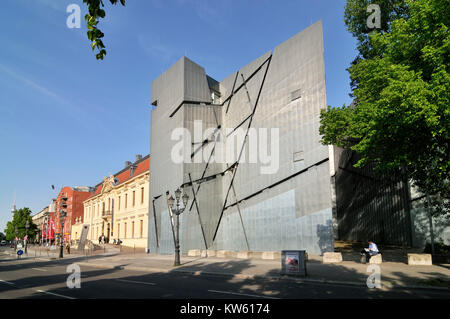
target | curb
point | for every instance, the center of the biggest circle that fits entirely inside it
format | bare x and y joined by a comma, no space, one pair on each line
241,276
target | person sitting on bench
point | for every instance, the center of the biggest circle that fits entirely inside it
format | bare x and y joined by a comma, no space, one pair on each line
371,251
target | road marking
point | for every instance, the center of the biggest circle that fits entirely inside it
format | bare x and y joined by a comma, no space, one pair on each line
239,294
7,282
137,282
57,295
39,269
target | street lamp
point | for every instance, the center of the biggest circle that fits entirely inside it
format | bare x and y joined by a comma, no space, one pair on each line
16,239
27,225
177,211
62,217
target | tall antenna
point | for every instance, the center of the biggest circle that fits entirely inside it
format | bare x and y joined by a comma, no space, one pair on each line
13,208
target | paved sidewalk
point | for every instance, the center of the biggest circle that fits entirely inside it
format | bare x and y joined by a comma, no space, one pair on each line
393,274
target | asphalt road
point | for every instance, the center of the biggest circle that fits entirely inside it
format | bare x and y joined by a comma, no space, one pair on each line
43,279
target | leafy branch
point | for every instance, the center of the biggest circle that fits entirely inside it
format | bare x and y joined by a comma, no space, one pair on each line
94,34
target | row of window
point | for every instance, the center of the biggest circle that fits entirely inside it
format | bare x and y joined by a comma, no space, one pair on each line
91,211
121,233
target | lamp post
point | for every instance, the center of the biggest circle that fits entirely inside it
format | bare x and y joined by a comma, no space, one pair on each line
16,239
177,211
27,225
62,217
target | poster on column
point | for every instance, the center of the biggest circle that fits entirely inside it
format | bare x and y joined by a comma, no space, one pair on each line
292,262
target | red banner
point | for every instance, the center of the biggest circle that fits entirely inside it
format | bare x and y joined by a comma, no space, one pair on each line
51,231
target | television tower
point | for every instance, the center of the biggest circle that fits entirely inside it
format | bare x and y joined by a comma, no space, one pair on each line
13,208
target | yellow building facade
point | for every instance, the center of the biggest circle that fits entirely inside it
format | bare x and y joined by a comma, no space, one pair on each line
119,206
76,229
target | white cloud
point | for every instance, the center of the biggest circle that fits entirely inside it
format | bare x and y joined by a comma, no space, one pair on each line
72,110
33,84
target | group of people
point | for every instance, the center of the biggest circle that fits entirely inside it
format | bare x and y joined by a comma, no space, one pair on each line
103,240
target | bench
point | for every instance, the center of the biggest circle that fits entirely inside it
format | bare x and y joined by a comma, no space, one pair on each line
331,257
377,259
420,260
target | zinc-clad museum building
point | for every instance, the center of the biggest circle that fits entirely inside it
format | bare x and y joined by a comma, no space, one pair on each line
235,205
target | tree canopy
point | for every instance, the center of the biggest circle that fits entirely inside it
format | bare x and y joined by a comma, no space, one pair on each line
20,218
92,19
400,82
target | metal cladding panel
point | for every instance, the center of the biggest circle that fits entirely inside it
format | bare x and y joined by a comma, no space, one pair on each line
166,234
168,89
164,173
191,233
226,86
292,67
209,194
296,66
421,226
238,110
272,224
250,68
313,190
195,82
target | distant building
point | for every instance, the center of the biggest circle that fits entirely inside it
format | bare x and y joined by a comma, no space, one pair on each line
48,227
69,200
38,220
118,207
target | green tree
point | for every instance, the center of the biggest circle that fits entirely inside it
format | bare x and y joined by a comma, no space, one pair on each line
356,15
92,19
400,116
20,218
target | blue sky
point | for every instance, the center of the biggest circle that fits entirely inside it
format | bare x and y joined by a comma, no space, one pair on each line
67,119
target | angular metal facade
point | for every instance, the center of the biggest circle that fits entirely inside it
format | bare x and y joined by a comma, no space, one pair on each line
238,207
